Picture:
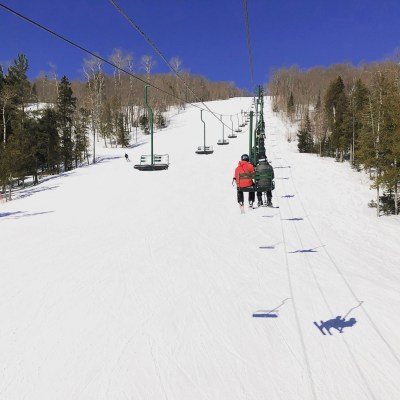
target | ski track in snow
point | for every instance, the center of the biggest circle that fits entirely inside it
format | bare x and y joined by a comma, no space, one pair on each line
121,284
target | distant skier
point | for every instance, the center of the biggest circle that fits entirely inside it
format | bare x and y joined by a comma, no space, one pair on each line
244,167
265,184
127,157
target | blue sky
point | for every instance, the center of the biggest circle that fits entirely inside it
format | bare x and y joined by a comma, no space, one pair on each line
209,35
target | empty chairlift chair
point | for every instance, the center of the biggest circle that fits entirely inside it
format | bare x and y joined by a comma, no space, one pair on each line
222,141
232,135
204,149
159,162
152,162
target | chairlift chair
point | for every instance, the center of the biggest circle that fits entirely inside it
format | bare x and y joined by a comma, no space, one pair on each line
232,135
160,162
204,149
256,177
152,162
222,141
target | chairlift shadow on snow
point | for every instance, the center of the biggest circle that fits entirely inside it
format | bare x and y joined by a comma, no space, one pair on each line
269,313
337,323
304,251
269,247
307,250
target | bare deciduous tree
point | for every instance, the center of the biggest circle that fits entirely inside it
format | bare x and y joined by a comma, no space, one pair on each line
147,63
92,69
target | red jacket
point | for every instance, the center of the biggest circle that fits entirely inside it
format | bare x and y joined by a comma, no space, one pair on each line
244,167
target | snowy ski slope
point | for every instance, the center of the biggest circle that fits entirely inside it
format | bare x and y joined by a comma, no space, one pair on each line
119,284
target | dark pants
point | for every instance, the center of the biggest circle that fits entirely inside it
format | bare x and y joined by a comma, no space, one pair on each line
240,197
269,195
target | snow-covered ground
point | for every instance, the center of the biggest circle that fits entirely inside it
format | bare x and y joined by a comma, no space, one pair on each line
121,284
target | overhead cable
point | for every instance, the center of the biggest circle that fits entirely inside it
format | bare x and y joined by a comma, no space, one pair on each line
156,49
92,53
246,16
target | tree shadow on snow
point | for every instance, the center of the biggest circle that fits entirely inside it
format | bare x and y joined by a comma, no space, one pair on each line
134,145
22,214
36,189
103,159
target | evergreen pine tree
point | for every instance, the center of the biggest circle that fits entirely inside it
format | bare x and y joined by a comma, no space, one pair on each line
290,106
305,142
359,103
336,108
48,146
66,105
17,78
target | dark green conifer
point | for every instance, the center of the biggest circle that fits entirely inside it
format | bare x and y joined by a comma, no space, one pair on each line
66,105
336,108
305,142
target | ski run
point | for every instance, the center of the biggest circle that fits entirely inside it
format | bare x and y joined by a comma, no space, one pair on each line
122,284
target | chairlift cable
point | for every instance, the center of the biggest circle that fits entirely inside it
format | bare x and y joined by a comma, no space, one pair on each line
246,16
157,50
85,50
91,53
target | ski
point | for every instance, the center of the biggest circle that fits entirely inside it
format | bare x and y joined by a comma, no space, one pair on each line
319,328
241,206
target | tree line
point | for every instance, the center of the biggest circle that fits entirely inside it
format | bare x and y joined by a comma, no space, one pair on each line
50,124
349,113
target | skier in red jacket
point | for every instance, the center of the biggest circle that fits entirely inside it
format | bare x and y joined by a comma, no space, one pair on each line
244,167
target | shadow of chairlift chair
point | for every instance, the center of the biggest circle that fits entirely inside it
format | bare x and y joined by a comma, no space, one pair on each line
204,149
152,162
222,141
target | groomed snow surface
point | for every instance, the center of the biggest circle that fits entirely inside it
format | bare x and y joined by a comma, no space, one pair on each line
120,284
